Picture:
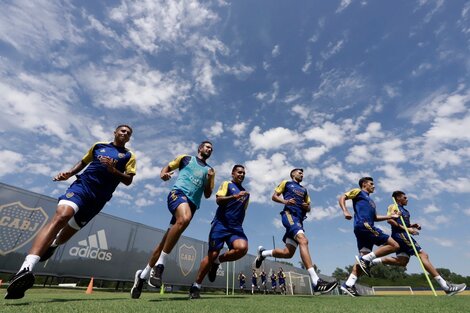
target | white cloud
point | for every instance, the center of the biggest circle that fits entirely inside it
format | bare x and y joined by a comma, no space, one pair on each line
276,51
319,213
343,5
373,130
11,162
312,154
277,223
329,134
215,131
359,154
273,138
431,209
238,129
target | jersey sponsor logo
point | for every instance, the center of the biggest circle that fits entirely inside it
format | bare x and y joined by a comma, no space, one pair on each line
94,247
103,150
121,155
187,258
18,225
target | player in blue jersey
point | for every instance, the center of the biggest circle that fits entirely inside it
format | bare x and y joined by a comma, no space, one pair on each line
195,178
107,164
273,282
296,203
367,235
406,249
254,281
226,227
264,281
241,282
282,281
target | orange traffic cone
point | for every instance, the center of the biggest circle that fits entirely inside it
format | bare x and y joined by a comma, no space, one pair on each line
89,289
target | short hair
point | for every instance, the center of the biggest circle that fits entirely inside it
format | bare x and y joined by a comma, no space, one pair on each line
397,193
237,165
364,179
296,169
124,125
203,143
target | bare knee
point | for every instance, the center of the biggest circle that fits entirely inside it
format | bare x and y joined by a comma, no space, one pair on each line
183,221
302,241
62,215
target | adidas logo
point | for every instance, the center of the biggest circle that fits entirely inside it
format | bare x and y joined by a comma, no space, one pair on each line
95,247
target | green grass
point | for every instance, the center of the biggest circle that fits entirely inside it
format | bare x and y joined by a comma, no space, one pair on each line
65,301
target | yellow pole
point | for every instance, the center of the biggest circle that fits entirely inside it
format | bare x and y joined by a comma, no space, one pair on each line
414,248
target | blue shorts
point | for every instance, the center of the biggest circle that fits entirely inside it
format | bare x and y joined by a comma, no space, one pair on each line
367,236
221,234
175,198
293,226
273,284
405,244
89,205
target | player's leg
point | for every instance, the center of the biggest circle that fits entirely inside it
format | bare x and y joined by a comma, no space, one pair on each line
204,267
238,249
183,216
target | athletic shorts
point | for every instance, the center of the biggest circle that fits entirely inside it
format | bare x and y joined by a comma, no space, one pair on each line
220,234
293,226
88,204
175,198
367,236
406,249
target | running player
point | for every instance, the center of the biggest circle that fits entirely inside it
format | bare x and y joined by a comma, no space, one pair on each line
282,281
263,282
195,179
296,203
254,282
107,164
242,282
367,235
273,282
226,227
406,249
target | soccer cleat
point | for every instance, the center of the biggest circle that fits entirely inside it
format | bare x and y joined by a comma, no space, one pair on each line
19,283
260,258
138,285
49,252
194,292
364,265
324,286
352,291
455,289
155,279
213,272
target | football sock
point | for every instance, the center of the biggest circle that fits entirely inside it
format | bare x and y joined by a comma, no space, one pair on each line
376,261
146,272
217,261
29,262
267,253
351,280
369,257
197,285
442,282
161,259
313,275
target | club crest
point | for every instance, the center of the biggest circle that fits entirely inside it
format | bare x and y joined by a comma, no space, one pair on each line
187,258
18,225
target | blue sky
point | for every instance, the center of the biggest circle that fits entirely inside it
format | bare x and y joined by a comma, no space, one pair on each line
342,88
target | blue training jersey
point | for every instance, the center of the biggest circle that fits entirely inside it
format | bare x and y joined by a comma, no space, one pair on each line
233,213
192,177
406,217
96,177
364,207
294,190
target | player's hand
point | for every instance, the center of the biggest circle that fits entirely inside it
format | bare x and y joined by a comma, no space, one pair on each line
347,215
290,202
417,226
62,176
210,173
413,231
241,194
306,206
166,176
109,163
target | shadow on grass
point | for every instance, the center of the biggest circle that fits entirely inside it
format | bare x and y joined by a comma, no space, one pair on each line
60,301
186,298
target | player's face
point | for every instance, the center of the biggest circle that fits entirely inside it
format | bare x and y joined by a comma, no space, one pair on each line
205,151
369,186
238,175
298,176
122,135
402,200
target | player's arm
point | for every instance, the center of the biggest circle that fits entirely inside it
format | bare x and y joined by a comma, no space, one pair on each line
306,204
278,197
168,170
210,183
125,177
73,171
342,204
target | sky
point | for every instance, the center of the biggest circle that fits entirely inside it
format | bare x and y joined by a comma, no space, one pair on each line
341,88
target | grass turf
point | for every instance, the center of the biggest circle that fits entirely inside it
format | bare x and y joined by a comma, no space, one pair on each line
58,300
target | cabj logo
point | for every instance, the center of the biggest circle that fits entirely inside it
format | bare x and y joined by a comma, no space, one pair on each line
187,257
18,225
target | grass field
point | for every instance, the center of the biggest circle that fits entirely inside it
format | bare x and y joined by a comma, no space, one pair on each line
58,300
